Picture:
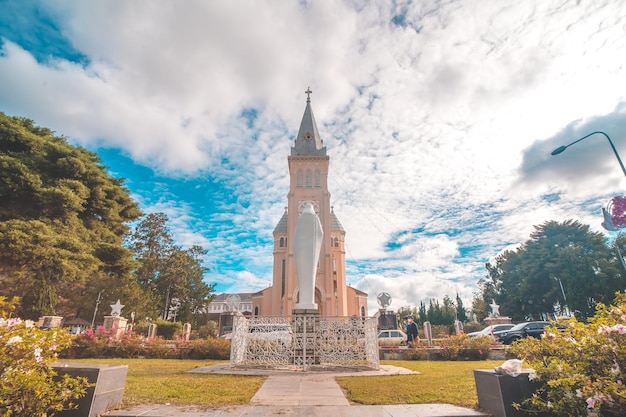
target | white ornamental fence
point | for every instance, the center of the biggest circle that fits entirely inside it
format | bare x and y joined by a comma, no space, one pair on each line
303,341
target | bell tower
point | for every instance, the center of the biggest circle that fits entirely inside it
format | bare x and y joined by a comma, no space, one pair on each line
308,183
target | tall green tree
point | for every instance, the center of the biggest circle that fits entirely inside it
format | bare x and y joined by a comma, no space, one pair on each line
171,276
153,244
188,296
448,311
422,313
563,266
434,313
461,314
62,218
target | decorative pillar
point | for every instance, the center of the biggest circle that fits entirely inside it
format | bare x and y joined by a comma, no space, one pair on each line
428,332
152,332
186,331
458,327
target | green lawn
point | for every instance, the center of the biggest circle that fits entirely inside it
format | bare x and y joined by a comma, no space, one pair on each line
439,382
160,381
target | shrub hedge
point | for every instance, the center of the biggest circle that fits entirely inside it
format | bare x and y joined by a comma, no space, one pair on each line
454,348
101,344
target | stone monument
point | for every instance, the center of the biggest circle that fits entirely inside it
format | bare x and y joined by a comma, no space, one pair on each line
495,317
307,244
387,320
115,322
49,322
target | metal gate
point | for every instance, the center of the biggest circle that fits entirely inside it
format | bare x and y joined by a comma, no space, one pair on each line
303,341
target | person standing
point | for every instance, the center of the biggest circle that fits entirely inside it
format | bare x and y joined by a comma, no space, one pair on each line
412,331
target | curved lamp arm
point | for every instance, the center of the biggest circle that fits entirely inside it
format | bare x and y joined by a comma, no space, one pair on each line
562,148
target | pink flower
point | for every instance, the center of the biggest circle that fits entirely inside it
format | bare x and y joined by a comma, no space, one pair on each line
618,328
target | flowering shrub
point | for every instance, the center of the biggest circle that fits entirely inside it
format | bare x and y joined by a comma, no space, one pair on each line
618,211
103,344
454,348
463,347
580,369
28,385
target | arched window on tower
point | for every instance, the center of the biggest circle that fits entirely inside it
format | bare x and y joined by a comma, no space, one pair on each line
282,280
308,179
256,311
299,178
316,178
362,311
282,242
336,242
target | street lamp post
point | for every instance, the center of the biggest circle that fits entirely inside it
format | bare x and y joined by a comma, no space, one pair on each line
93,320
566,310
562,148
607,224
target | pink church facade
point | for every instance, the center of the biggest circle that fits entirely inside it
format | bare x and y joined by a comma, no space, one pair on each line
308,174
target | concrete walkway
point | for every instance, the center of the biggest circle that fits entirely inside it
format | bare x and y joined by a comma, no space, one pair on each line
297,393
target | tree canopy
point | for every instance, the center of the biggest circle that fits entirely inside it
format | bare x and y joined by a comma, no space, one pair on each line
563,267
170,275
65,239
437,313
62,220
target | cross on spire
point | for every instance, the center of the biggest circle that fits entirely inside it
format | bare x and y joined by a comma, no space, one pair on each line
308,94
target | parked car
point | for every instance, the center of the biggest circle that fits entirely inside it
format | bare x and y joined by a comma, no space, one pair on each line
490,330
387,338
522,330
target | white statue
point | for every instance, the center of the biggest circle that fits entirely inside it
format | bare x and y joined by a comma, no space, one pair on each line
495,309
306,248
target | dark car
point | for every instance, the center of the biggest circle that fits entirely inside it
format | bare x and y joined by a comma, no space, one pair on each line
490,330
522,330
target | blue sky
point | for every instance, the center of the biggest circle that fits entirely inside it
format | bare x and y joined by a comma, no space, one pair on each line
438,117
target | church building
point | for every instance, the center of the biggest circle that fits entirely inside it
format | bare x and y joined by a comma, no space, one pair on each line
308,174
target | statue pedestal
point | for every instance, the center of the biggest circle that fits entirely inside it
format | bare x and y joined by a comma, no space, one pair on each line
304,325
497,320
305,307
305,312
50,322
116,325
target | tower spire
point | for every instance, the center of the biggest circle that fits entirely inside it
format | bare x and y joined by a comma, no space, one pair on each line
308,141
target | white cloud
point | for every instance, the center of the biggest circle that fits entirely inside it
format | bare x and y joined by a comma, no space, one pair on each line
438,128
